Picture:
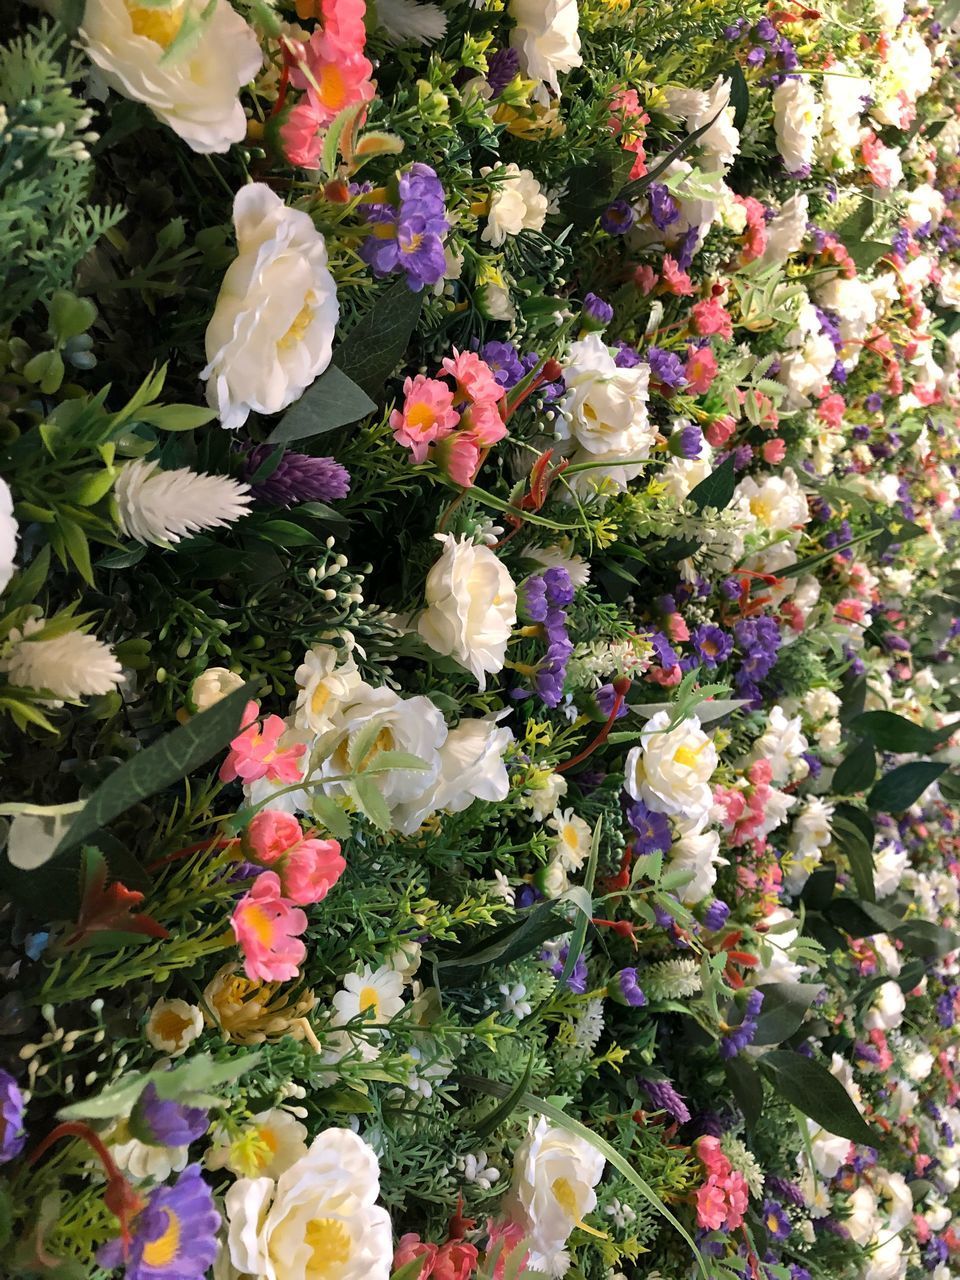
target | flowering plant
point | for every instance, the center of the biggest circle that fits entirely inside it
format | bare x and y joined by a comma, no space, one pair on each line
478,614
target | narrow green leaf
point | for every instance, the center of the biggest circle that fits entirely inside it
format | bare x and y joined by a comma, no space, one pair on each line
747,1088
491,1122
583,917
784,1007
903,786
372,802
810,1087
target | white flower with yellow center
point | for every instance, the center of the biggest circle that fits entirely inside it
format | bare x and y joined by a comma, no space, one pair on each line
172,1026
671,769
193,89
327,680
516,204
271,333
267,1147
777,503
554,1175
318,1221
574,837
370,997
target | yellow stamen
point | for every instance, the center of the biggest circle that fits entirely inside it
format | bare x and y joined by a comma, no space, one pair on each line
162,1251
159,25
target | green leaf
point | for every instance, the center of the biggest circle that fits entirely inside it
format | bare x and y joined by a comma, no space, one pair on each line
386,760
158,766
747,1089
686,144
507,943
739,94
77,546
345,121
866,252
924,938
586,909
891,732
196,1076
859,854
494,1119
818,890
332,401
857,770
69,315
903,786
717,489
860,919
810,1087
361,746
592,186
375,346
372,802
329,814
784,1007
176,417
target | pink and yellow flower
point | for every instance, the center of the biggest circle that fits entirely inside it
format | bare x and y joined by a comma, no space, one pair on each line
256,752
474,378
267,929
308,868
427,415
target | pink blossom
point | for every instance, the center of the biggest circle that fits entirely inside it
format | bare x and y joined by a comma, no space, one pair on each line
665,677
459,457
760,771
256,752
711,1157
334,74
710,316
645,278
755,235
627,123
343,22
676,628
301,136
484,423
711,1205
831,410
427,415
509,1234
719,431
473,376
700,370
410,1246
738,1195
266,927
674,280
774,451
308,867
456,1260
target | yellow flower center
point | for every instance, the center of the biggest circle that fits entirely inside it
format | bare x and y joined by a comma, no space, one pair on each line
570,834
319,699
259,924
162,1251
252,1152
331,1244
170,1025
159,25
688,755
420,416
301,323
565,1197
369,999
332,87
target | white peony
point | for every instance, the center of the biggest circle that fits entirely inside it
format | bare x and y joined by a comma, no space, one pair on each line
786,230
471,607
885,1260
161,507
320,1218
889,864
193,90
855,306
9,530
697,852
805,367
697,107
272,329
327,679
948,295
925,204
547,37
670,771
776,502
782,744
411,725
681,475
886,1012
809,836
471,768
71,666
796,122
517,204
554,1175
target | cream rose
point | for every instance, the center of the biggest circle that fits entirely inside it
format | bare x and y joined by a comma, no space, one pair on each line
670,771
471,607
554,1175
9,530
547,37
517,204
319,1219
272,329
212,685
195,90
796,122
604,405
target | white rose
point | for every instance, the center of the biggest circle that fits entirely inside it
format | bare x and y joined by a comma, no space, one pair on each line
327,680
9,529
471,607
884,1261
796,121
924,204
546,35
412,725
211,686
855,305
681,475
844,93
820,704
863,1220
517,204
777,503
272,329
948,294
890,862
194,91
322,1207
670,771
886,1012
786,230
603,403
782,744
697,107
806,366
699,853
554,1175
919,1065
471,768
493,301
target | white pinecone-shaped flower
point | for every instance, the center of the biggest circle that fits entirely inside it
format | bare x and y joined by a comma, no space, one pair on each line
163,506
407,22
72,665
671,979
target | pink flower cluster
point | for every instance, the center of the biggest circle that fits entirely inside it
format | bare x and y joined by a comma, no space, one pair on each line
334,74
452,424
267,921
256,752
455,1260
627,122
722,1199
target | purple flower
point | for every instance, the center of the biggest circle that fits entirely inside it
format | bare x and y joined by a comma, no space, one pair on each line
730,588
164,1122
502,67
664,1097
409,236
716,915
687,248
662,648
775,1220
625,989
174,1236
712,644
544,597
12,1133
297,477
577,981
652,828
606,697
738,1038
766,31
597,314
663,208
618,218
504,361
627,357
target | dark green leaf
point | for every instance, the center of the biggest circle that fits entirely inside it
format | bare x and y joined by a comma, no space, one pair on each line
891,732
866,252
177,754
507,943
747,1088
583,917
859,855
783,1010
686,144
375,346
860,919
716,491
505,1109
903,786
857,770
593,186
330,402
926,939
810,1087
739,94
818,890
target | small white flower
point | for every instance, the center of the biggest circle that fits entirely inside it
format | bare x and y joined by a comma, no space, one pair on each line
670,771
211,686
574,838
164,506
621,1214
71,666
373,996
514,1000
327,679
502,888
172,1026
266,1148
517,204
477,1169
544,797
